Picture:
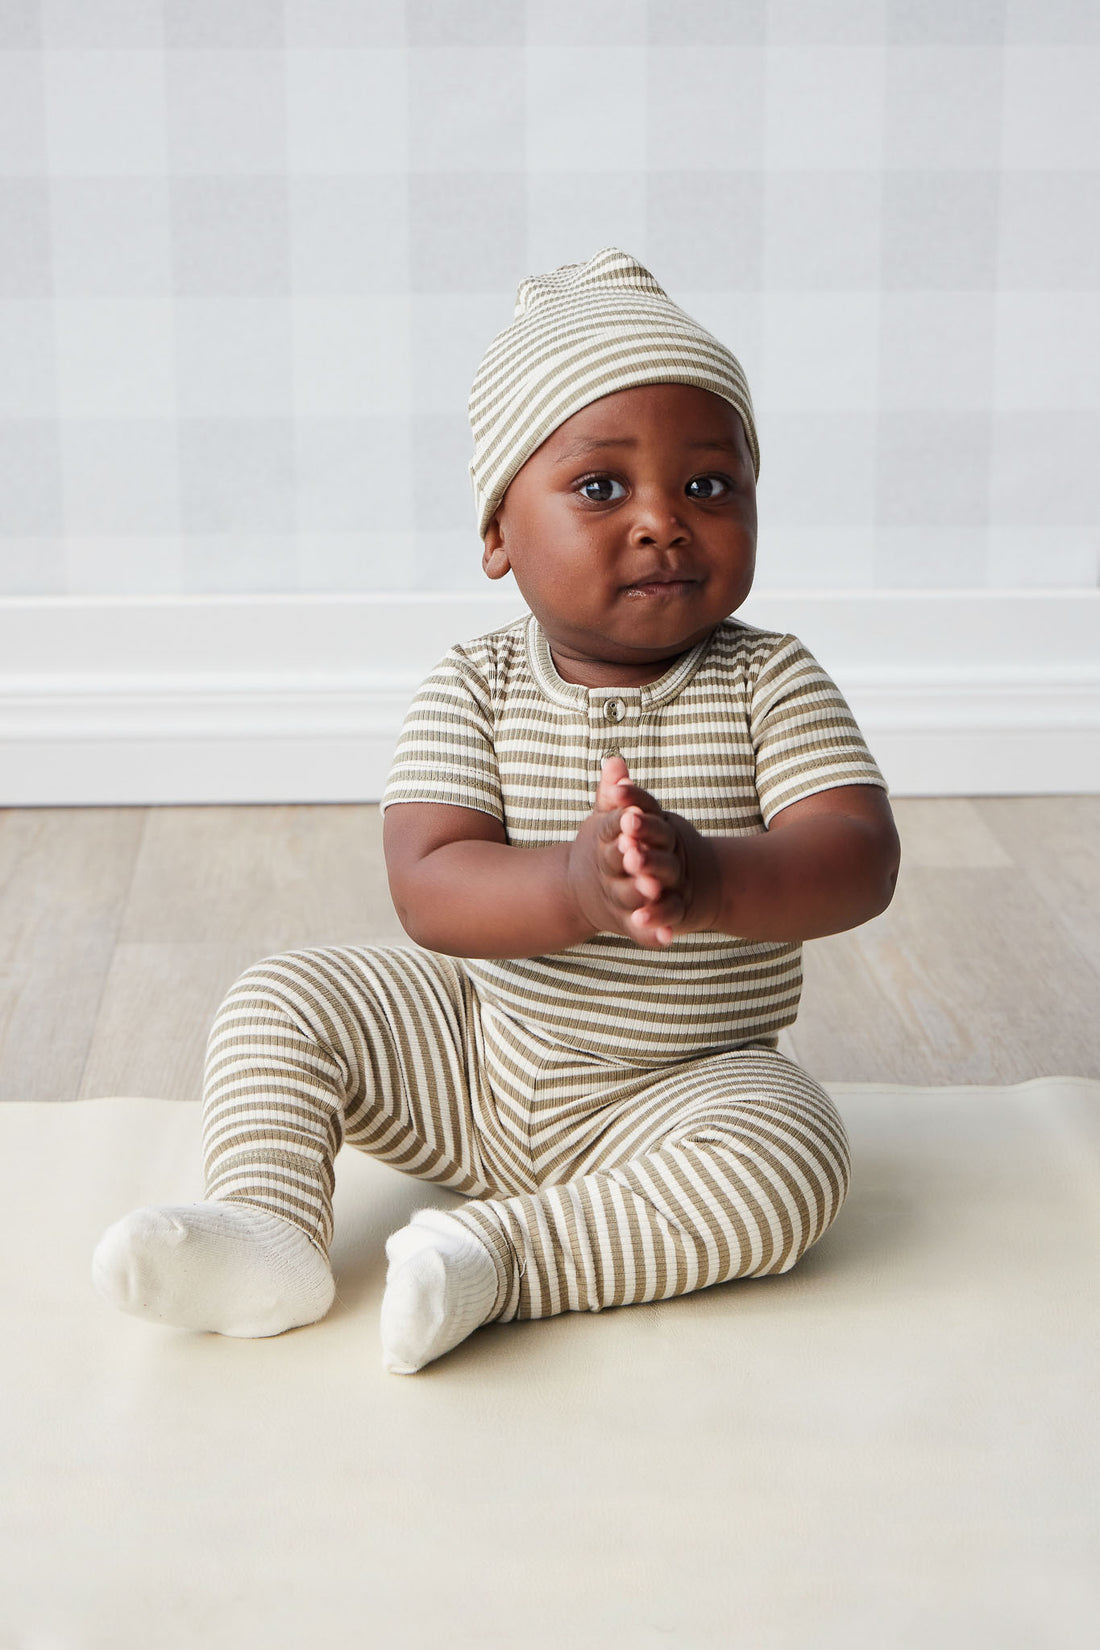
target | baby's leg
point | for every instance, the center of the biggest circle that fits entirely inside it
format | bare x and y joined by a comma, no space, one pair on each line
309,1049
731,1167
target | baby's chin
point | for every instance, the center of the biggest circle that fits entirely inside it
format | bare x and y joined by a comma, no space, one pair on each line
615,663
651,632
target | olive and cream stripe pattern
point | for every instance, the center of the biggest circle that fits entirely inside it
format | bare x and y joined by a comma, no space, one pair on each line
738,729
580,332
619,1120
592,1183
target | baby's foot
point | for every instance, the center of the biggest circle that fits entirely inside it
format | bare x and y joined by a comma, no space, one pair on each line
440,1287
225,1267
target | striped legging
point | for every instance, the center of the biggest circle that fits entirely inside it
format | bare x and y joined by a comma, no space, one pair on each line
593,1183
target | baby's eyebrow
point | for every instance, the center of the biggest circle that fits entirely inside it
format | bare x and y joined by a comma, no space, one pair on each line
713,447
592,443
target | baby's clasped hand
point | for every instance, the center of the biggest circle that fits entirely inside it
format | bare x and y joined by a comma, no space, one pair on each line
639,871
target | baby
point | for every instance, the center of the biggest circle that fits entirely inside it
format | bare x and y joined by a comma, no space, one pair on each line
608,827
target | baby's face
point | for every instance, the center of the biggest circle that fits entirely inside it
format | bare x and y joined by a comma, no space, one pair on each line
631,531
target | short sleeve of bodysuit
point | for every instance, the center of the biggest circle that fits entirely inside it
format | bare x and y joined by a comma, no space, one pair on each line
804,735
446,752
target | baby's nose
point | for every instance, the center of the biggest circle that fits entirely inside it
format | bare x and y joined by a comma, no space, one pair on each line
660,517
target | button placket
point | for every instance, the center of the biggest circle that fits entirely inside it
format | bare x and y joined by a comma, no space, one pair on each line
607,719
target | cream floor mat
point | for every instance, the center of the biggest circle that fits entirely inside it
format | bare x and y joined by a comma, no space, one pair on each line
894,1445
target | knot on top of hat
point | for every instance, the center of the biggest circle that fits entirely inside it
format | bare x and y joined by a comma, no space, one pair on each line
609,268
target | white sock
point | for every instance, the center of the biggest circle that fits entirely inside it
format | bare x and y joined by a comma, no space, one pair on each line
441,1285
225,1267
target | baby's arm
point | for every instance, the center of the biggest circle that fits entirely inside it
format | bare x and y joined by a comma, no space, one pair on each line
826,863
461,888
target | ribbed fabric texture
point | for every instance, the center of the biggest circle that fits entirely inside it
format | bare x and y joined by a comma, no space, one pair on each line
592,1183
737,729
581,332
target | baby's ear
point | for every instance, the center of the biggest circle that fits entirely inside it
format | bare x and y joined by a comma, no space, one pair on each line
494,558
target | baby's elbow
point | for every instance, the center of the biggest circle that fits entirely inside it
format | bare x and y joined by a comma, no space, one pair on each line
423,922
405,904
408,921
887,888
885,880
413,919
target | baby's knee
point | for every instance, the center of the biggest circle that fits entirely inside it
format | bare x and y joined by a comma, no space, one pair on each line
780,1192
289,992
283,977
807,1205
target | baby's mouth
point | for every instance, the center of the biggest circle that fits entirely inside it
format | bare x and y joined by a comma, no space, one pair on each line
659,586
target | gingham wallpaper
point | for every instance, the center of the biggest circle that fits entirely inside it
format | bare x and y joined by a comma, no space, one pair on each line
251,252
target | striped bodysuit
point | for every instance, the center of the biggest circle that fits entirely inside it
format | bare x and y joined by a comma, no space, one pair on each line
619,1119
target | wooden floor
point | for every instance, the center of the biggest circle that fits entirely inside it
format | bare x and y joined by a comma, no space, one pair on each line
121,928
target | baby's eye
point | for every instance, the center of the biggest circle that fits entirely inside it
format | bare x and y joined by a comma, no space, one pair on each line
713,485
603,482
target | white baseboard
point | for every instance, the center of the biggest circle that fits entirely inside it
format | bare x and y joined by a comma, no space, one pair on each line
299,698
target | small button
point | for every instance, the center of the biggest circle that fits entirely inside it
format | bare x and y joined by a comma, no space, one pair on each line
614,710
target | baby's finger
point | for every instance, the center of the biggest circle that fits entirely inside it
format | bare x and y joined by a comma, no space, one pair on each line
653,939
624,894
647,830
662,869
654,912
609,844
613,771
629,795
648,887
655,923
646,834
617,885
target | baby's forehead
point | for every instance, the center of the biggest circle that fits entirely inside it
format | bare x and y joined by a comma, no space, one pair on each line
682,414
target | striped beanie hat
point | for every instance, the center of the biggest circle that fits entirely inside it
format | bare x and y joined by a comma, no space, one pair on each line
581,332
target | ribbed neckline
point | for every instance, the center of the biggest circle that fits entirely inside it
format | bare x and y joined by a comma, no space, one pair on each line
574,695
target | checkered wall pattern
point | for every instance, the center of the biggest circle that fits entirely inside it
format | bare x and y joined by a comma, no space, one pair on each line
251,254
